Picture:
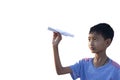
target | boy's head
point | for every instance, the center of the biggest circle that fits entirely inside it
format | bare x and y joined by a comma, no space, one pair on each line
100,37
104,29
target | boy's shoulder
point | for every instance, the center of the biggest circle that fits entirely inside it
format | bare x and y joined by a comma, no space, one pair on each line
115,64
87,59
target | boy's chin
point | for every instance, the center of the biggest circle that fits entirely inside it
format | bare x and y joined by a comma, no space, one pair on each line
93,52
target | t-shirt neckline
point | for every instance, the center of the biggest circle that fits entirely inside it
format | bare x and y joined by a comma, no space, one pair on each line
103,66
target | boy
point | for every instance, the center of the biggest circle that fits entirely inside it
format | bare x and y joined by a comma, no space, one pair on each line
101,67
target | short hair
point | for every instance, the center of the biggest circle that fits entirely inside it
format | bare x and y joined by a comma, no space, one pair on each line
104,29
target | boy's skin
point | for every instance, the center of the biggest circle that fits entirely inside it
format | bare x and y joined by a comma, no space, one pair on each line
96,43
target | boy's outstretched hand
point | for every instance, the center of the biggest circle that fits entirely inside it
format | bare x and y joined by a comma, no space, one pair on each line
57,37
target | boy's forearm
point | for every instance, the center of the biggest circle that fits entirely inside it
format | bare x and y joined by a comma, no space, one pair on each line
57,59
59,68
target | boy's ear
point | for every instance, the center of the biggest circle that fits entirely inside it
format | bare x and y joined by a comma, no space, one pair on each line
108,42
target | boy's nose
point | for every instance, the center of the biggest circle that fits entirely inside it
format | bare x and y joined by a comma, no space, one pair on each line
91,43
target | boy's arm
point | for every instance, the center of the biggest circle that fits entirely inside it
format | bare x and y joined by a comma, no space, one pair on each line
59,68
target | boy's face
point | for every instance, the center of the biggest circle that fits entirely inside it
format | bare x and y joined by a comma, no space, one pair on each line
97,43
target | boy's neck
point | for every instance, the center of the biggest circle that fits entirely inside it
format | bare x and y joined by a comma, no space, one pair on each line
100,59
100,55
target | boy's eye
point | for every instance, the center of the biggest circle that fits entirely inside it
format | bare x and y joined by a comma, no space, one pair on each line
95,39
88,39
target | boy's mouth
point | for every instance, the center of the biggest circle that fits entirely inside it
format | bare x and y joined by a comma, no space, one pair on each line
92,48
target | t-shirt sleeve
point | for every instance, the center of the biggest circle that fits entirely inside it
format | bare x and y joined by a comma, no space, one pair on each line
76,70
117,75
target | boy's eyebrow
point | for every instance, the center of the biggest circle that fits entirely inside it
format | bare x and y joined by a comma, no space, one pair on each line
92,37
89,37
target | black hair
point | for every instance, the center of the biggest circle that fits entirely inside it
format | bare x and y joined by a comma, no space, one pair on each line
104,29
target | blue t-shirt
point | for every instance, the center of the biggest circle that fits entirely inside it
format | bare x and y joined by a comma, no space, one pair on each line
85,70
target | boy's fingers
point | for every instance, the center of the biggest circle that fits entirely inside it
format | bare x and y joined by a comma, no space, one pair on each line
54,35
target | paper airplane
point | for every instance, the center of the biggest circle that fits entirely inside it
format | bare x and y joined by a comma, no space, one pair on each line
60,31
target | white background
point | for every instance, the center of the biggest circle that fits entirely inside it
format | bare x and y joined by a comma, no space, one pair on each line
26,44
